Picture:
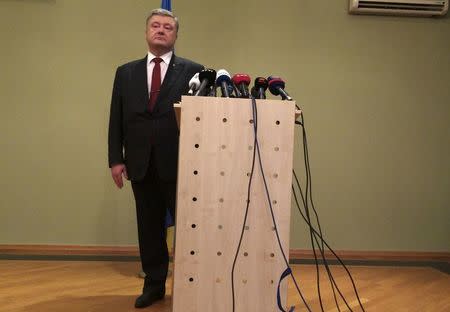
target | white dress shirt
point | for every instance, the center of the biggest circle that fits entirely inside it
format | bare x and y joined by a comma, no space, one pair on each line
164,65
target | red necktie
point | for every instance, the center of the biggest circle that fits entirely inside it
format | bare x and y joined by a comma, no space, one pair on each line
156,83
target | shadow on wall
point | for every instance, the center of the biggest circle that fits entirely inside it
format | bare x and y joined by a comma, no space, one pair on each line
116,216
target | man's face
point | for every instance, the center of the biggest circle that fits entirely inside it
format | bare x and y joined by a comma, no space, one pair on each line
161,33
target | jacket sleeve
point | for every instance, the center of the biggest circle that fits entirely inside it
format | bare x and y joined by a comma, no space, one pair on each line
115,132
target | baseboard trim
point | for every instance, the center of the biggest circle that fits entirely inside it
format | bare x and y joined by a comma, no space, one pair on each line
69,250
404,256
78,251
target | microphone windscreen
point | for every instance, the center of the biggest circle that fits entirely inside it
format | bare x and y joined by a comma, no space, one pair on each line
195,81
222,75
241,78
274,84
261,82
209,74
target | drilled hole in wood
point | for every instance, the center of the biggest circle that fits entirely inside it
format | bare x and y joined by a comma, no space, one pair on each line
275,175
219,253
194,225
250,121
220,227
221,200
192,252
274,202
198,118
223,146
276,149
194,198
191,279
195,172
222,173
272,255
224,120
197,146
245,254
277,122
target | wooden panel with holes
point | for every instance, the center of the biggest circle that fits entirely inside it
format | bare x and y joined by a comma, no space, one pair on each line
217,143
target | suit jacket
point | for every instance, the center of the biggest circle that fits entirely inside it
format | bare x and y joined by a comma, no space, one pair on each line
134,132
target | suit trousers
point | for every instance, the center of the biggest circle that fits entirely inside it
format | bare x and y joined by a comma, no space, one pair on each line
153,197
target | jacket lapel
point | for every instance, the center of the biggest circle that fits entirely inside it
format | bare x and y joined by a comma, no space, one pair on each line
172,75
141,85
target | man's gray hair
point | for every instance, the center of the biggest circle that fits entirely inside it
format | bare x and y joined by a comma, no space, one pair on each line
163,12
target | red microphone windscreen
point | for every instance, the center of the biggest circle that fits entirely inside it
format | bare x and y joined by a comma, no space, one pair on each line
241,78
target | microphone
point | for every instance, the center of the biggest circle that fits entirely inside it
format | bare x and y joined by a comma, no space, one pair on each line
242,81
261,87
194,83
223,80
231,90
276,87
212,91
236,90
254,92
207,78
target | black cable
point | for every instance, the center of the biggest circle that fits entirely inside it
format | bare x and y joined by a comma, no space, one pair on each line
307,165
245,219
309,177
305,203
337,257
308,221
314,234
314,252
255,118
330,276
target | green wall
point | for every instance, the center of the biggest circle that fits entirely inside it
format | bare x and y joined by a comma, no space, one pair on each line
375,92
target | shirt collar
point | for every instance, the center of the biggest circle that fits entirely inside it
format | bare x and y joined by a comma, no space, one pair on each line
165,57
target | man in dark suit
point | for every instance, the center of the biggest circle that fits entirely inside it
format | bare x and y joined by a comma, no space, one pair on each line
143,141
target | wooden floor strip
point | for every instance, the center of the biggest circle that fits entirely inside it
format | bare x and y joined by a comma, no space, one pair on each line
353,304
109,286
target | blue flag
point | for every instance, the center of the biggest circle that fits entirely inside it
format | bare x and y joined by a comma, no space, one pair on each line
166,4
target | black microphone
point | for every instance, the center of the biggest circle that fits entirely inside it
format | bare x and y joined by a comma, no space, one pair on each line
254,92
261,87
207,78
194,83
223,80
242,81
276,87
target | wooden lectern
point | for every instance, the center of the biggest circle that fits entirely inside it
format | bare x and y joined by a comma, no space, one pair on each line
215,160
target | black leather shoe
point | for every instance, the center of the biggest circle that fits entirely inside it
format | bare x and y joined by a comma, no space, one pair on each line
150,295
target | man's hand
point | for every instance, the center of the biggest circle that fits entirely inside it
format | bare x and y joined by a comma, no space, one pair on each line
117,171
